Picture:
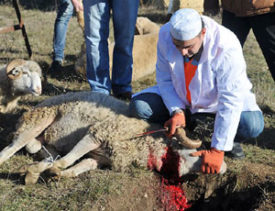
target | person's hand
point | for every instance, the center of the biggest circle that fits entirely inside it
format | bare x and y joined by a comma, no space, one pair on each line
211,160
77,5
177,120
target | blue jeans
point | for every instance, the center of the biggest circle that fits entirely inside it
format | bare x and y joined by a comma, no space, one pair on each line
64,13
149,106
97,18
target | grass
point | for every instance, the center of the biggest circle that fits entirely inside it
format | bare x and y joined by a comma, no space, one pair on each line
103,189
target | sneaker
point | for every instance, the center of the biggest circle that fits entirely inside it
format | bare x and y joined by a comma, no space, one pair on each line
124,96
236,152
56,68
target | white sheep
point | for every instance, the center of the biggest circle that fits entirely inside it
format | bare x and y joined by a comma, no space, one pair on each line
144,50
96,125
146,26
19,77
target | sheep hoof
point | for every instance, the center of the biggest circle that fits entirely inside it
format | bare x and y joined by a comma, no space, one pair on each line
31,178
25,168
186,141
55,171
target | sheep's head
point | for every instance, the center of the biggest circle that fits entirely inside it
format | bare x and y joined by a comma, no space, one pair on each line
25,77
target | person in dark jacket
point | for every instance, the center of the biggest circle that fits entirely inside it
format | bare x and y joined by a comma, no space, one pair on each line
259,15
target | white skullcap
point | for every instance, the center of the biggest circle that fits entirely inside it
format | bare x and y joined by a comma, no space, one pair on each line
185,24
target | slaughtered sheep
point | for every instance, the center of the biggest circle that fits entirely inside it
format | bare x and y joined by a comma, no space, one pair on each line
97,126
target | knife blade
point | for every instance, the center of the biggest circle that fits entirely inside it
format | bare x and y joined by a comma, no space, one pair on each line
152,132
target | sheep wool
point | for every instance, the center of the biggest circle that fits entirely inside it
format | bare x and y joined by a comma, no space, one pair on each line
96,125
14,84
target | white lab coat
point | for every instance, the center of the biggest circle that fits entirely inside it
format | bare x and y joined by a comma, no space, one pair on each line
220,84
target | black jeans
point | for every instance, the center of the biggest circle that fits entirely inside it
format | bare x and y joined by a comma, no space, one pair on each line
263,27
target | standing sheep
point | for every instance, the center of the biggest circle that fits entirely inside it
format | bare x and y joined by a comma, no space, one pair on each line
18,78
144,50
96,125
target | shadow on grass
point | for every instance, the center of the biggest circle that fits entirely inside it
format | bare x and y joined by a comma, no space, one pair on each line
71,58
267,110
8,123
52,90
156,17
19,179
266,139
66,73
16,178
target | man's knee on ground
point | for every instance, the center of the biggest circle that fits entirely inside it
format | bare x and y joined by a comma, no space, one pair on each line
252,124
139,109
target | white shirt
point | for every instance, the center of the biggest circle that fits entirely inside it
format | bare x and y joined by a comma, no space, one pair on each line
220,84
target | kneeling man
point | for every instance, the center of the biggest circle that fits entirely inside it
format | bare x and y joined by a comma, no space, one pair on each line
201,68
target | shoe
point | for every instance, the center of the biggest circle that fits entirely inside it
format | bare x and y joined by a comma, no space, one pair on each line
124,96
56,68
236,152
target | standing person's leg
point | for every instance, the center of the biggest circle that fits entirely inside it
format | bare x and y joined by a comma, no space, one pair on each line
150,107
65,12
239,25
264,30
124,18
96,18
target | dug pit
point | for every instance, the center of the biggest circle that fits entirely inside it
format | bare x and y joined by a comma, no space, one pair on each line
207,192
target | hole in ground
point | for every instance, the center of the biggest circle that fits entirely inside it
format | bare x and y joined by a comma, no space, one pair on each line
208,192
223,197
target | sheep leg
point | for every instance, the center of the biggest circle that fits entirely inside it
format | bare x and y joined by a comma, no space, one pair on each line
26,137
85,145
33,146
83,166
33,171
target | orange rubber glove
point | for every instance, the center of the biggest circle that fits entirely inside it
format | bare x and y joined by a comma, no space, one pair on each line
211,160
177,120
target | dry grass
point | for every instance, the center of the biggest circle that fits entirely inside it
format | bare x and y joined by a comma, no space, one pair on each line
102,189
